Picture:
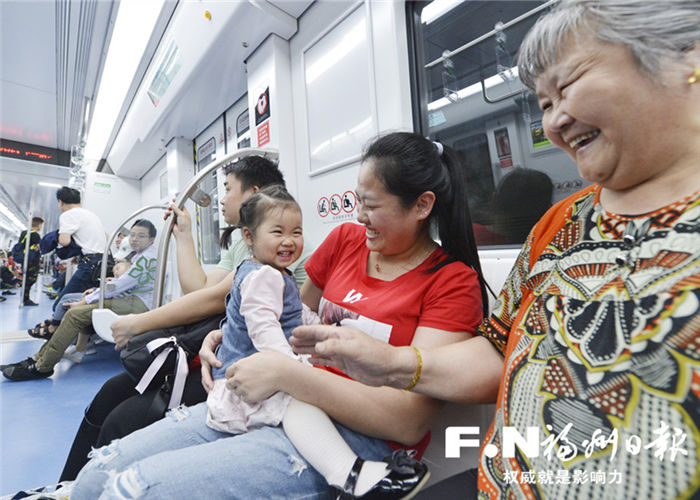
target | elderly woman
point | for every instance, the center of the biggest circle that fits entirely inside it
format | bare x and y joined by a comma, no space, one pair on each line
597,324
387,276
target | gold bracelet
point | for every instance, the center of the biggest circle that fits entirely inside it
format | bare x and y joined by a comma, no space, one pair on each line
416,377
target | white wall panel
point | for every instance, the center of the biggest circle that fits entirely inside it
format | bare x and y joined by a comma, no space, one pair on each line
112,198
150,184
389,73
339,91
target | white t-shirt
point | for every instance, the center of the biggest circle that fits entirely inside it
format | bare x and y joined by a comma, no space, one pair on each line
85,228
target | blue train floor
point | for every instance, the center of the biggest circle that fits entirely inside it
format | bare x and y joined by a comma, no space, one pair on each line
39,418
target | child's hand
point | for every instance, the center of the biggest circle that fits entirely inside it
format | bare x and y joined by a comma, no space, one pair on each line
208,359
257,377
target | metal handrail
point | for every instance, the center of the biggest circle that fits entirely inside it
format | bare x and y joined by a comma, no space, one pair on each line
179,202
489,34
105,254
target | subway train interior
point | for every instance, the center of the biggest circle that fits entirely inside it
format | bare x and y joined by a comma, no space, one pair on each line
136,103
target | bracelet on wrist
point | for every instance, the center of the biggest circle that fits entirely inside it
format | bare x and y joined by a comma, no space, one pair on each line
419,369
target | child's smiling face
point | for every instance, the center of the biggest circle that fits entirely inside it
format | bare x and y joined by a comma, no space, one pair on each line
278,240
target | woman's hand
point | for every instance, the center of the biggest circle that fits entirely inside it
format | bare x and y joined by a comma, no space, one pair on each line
257,377
208,359
123,329
355,353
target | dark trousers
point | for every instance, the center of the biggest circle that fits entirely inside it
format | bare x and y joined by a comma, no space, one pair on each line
59,282
82,277
118,410
32,275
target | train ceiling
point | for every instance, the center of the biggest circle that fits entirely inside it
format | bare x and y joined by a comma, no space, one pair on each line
52,54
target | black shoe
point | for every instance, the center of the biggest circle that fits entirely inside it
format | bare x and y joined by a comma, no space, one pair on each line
28,302
26,372
41,331
24,362
2,299
7,292
405,480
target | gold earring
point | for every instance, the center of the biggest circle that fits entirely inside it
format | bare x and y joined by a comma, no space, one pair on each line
695,77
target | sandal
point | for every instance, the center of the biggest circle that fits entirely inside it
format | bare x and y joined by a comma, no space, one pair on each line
41,331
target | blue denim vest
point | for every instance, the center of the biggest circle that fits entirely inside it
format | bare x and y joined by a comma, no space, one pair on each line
236,342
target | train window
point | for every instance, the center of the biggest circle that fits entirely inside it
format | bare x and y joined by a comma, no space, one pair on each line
467,95
208,217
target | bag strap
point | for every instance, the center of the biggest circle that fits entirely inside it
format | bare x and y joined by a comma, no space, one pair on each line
181,369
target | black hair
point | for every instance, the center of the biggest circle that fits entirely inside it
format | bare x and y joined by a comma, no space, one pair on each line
408,165
251,171
146,224
68,195
255,171
37,221
257,206
522,197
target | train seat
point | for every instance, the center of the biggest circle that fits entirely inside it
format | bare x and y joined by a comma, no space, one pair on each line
496,265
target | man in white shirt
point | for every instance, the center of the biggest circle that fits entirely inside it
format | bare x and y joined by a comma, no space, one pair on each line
87,231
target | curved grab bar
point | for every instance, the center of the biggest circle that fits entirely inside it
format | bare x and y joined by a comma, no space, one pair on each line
103,269
191,187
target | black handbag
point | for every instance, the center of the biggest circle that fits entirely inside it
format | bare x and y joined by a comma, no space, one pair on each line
152,358
97,269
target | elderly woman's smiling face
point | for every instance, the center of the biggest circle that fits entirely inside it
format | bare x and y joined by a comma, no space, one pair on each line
619,126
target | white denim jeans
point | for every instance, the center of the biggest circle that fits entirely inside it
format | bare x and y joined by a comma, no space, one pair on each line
181,457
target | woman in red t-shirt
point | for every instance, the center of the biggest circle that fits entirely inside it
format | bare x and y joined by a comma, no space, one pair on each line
387,277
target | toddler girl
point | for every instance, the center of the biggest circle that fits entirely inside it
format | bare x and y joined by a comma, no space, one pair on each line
263,308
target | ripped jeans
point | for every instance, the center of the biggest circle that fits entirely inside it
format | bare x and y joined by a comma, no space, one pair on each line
180,457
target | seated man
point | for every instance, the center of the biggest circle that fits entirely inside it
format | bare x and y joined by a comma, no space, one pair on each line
131,293
45,330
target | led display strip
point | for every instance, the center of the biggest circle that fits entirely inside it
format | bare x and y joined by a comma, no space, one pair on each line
32,152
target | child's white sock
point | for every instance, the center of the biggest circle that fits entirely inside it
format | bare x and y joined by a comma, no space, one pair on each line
312,432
